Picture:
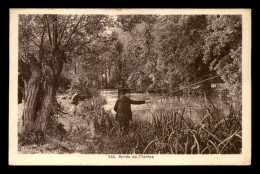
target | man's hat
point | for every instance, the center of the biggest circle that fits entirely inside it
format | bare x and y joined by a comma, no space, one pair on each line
125,90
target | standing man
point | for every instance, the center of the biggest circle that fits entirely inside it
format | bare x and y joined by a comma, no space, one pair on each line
123,110
74,102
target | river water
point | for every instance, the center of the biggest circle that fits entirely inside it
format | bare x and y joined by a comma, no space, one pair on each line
194,106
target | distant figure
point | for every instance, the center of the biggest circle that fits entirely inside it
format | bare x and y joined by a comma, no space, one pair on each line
123,110
74,102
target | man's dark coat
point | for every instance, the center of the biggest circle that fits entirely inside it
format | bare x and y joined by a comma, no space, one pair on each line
123,108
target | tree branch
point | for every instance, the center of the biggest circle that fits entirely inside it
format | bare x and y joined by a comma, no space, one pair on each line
48,27
39,45
55,32
63,30
74,29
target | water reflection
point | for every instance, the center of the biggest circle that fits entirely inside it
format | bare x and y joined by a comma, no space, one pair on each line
194,106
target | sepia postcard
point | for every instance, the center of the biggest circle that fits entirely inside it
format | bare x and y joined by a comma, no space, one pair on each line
130,87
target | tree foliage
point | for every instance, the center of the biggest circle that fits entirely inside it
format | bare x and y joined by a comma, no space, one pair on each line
148,52
144,52
222,49
46,43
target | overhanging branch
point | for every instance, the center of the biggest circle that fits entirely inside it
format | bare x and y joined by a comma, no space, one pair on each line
48,27
73,31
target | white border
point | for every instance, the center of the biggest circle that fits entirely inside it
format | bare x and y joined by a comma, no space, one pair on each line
82,159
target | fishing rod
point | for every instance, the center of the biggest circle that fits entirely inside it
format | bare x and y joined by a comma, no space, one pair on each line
185,87
154,89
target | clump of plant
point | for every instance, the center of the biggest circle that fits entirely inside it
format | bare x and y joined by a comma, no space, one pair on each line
91,107
28,138
88,111
54,129
172,132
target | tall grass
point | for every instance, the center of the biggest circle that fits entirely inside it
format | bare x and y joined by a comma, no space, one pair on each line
171,132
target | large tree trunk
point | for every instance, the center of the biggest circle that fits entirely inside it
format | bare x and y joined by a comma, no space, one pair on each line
32,97
52,74
46,106
38,106
25,90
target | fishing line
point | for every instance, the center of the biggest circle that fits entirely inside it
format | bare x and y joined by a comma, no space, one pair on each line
181,88
185,87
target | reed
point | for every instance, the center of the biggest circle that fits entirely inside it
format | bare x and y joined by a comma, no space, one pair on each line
172,132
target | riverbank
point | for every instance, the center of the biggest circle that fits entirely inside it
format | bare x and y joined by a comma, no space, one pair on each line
94,130
80,134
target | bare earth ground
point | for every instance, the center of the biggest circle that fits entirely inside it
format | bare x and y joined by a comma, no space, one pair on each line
75,144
